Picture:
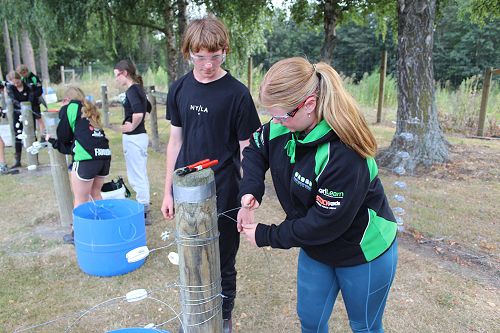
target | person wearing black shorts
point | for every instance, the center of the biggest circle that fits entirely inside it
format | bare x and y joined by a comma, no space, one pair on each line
80,133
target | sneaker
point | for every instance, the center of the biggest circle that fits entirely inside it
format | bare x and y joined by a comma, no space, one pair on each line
4,170
69,238
227,326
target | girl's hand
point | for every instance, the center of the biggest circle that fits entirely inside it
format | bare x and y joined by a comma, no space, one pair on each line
249,232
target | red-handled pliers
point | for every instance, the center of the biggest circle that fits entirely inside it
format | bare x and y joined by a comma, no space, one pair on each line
203,164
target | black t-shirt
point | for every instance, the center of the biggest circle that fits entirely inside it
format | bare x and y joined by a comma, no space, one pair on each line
214,117
135,102
17,96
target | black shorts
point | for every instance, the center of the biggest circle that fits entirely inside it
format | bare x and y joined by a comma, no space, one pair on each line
89,169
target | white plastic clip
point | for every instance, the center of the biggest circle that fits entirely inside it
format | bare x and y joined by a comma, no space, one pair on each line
150,325
173,257
136,295
165,235
137,254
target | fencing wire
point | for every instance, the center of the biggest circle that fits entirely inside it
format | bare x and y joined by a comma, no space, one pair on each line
74,319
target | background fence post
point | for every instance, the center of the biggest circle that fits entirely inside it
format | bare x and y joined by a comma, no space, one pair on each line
59,171
198,247
62,76
29,131
105,104
10,117
484,101
155,137
383,69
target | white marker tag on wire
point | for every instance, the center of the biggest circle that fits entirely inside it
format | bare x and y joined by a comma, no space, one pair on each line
136,295
150,325
174,258
137,254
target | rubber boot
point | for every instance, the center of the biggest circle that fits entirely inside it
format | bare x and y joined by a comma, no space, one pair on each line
69,238
17,163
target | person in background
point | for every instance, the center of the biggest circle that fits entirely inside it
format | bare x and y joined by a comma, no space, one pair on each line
80,133
212,115
135,139
35,85
321,155
18,92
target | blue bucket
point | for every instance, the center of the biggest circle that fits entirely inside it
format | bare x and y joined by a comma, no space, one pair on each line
105,230
137,330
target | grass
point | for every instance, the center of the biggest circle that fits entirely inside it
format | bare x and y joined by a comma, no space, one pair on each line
41,280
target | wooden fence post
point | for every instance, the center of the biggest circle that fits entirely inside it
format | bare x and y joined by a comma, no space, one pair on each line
105,104
28,131
197,238
484,100
10,117
250,65
155,138
59,171
2,99
383,69
62,76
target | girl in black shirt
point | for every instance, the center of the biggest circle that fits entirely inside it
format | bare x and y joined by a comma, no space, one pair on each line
18,92
135,139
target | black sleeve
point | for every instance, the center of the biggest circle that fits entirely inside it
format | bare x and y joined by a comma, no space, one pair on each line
136,99
255,164
12,96
65,136
172,112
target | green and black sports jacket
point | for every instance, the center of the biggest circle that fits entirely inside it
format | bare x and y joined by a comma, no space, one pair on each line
335,205
75,135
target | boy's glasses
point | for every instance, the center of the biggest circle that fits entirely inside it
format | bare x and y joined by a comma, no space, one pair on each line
218,58
292,113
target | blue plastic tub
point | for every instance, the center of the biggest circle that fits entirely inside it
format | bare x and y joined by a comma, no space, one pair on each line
137,330
105,230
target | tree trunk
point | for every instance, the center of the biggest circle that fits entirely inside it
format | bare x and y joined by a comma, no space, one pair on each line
417,130
182,64
44,59
330,17
17,52
170,44
8,49
27,51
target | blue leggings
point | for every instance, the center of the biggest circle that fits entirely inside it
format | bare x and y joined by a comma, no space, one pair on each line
364,289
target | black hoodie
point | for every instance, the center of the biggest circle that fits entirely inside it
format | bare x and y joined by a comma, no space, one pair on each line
335,204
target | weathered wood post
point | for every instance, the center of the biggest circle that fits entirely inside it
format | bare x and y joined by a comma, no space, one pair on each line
59,171
198,246
155,137
10,117
105,105
249,74
2,99
484,100
62,76
29,132
383,69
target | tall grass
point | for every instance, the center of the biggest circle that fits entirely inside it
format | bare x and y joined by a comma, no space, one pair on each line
459,108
